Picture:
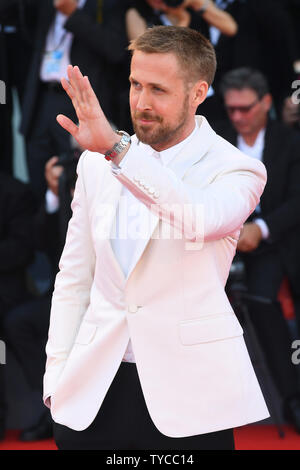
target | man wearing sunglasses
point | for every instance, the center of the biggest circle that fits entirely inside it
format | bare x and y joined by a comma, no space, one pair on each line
268,244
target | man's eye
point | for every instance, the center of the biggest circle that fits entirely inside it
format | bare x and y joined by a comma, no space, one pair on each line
156,88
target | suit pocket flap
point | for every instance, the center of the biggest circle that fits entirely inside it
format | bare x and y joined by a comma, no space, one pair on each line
208,329
86,333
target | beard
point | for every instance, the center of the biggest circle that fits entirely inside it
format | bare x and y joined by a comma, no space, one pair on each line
162,133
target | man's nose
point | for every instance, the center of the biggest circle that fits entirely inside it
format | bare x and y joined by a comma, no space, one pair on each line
143,102
236,115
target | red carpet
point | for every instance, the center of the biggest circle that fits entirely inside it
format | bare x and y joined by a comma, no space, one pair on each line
266,438
11,443
246,438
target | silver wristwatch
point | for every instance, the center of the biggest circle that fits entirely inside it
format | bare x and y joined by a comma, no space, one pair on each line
119,146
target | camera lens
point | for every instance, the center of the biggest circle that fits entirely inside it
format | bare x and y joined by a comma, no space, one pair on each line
173,3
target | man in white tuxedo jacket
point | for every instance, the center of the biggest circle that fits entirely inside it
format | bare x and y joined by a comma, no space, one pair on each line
144,349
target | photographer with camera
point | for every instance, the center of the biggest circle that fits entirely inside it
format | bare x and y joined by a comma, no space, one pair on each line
191,13
54,214
27,325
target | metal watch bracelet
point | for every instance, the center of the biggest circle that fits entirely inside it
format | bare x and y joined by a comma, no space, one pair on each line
119,146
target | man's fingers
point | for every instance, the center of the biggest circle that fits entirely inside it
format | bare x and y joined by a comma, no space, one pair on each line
77,72
67,87
67,124
88,92
81,92
71,93
79,81
69,72
75,78
72,82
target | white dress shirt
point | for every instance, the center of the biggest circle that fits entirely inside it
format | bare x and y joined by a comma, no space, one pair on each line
256,151
124,246
51,202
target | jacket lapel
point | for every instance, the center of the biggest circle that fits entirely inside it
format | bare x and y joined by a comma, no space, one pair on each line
195,149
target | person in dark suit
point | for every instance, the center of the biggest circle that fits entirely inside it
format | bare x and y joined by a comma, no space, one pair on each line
26,326
15,53
269,242
68,31
51,221
16,253
16,247
263,42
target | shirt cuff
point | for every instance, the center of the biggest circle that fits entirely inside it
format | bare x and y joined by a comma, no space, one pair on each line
263,227
52,202
117,168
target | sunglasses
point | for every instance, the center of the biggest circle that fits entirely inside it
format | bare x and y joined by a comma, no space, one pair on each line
242,109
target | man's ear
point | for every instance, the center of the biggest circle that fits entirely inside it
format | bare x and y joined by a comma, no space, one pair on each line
199,93
267,101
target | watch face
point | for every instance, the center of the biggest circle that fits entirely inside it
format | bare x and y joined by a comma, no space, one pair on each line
123,133
125,138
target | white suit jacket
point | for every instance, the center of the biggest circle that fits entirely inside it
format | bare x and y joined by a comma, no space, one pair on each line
191,358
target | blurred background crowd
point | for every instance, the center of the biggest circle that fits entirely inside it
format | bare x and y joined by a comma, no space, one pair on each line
253,103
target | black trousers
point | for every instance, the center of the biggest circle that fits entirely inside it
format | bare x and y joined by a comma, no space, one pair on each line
123,422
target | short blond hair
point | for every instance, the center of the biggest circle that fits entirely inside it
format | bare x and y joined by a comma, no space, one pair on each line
195,53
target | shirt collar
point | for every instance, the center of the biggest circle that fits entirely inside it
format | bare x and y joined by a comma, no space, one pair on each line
167,155
259,142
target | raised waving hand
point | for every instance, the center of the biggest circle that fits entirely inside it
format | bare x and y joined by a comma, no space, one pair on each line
93,131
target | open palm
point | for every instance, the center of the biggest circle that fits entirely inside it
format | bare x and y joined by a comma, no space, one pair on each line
93,131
